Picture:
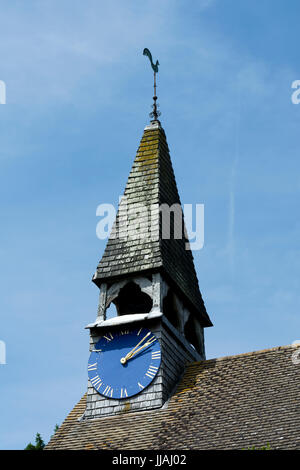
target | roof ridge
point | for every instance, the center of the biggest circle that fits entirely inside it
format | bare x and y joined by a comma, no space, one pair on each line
235,356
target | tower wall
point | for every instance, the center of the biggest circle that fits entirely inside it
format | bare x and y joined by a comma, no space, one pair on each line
176,353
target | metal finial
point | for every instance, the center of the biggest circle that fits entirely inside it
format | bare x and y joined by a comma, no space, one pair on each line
155,113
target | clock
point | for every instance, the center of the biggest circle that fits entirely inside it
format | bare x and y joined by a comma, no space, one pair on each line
124,362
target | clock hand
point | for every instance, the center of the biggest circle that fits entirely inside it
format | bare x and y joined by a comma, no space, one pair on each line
124,359
151,340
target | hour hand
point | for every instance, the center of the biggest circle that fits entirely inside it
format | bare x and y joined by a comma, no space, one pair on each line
128,356
149,342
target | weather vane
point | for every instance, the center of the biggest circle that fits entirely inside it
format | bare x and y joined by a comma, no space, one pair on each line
155,113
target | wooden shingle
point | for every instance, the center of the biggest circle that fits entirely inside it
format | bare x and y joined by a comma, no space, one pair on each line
152,182
233,402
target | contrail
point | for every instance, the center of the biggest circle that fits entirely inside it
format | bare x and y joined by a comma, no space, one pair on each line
231,221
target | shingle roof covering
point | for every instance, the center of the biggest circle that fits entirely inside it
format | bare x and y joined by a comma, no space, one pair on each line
152,181
233,402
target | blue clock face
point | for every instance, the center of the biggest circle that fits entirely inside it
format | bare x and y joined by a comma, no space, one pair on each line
123,363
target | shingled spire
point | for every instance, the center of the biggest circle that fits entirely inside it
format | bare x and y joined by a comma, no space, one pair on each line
144,247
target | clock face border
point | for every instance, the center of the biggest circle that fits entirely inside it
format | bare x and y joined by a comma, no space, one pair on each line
114,380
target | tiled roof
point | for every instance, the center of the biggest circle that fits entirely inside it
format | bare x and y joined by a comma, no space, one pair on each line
232,402
152,181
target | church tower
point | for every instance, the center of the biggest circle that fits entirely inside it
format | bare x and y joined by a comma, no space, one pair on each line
149,385
147,272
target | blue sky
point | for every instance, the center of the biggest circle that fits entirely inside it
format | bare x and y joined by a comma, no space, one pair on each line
78,96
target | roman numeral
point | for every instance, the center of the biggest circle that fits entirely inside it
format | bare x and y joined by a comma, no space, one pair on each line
109,337
92,366
108,391
139,332
124,393
155,355
141,386
96,381
151,372
124,332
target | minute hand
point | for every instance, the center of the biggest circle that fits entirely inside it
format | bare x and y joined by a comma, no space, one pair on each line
124,359
151,340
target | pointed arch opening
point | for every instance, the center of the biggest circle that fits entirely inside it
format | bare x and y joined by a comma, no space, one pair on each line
131,299
170,309
190,333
